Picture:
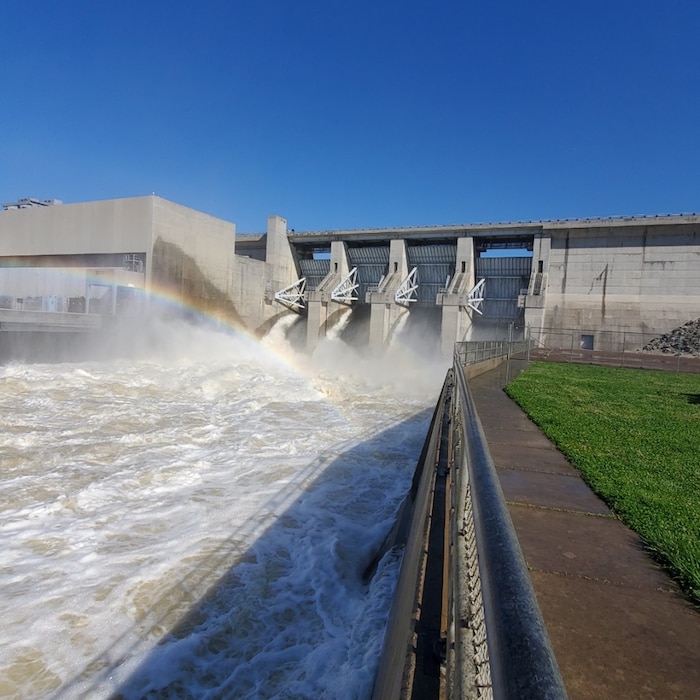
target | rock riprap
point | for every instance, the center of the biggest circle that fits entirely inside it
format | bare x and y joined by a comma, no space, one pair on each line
684,340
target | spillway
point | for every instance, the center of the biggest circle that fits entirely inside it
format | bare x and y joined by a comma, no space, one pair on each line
420,331
197,520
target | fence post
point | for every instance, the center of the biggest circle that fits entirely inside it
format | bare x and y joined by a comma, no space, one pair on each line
571,357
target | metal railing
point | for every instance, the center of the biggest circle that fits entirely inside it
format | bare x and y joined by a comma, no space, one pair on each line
473,351
455,520
500,607
397,662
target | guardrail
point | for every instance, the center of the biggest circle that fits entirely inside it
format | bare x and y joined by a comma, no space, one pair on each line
464,621
473,351
521,663
396,674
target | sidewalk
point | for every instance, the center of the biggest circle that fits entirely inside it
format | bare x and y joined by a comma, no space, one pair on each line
618,625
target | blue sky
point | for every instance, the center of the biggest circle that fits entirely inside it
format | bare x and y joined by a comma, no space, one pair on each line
355,114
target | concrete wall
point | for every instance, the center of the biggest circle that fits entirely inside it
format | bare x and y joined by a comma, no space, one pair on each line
539,277
255,281
640,278
249,291
190,258
386,314
189,255
111,226
457,316
282,266
193,259
322,313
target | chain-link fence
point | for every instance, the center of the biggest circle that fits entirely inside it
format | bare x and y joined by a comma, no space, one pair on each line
612,348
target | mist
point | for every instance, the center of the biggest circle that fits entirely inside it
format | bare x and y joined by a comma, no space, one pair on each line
192,505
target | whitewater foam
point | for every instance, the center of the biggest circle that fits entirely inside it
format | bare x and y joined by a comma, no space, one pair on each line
197,525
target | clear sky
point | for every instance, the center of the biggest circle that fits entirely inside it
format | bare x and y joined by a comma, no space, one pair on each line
362,113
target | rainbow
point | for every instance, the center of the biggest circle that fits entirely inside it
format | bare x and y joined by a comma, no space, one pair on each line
162,300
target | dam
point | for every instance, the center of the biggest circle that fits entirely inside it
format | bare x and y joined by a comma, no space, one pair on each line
273,577
71,269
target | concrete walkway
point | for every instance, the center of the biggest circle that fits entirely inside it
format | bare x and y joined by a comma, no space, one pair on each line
618,624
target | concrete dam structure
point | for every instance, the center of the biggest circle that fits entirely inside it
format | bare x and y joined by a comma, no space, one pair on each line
73,267
464,619
637,275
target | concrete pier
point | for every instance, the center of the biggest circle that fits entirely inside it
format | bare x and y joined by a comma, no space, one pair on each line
386,312
322,310
457,315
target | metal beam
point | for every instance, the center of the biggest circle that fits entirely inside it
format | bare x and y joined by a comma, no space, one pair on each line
345,291
293,296
476,296
407,291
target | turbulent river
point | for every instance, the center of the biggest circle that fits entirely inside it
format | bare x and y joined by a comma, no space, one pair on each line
194,523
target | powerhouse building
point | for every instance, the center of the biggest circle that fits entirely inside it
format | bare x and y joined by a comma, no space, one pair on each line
71,265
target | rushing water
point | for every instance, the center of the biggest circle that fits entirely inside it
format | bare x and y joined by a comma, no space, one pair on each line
195,524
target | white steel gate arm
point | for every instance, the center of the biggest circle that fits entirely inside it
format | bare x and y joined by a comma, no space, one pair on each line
407,291
476,296
345,291
293,296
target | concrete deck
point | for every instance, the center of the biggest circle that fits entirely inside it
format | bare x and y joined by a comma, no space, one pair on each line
618,624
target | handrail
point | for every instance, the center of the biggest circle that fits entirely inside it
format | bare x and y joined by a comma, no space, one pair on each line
410,529
491,636
520,658
474,351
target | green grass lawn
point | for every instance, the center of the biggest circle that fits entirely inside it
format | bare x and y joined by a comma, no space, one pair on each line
635,436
